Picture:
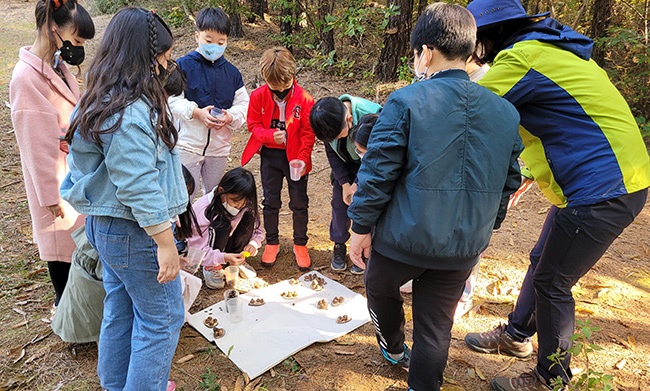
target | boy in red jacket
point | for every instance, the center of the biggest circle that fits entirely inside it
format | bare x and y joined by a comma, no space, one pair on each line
278,119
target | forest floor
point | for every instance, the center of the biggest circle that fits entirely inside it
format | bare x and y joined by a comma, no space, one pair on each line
614,295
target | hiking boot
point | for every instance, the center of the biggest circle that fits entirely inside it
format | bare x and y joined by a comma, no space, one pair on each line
302,257
530,381
356,270
338,257
213,277
270,254
407,287
498,341
403,362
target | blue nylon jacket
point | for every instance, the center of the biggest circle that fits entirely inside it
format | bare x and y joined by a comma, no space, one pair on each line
440,166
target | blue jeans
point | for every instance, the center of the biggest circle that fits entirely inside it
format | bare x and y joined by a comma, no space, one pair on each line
571,242
142,318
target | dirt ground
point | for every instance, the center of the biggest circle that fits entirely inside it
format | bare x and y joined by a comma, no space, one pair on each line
615,295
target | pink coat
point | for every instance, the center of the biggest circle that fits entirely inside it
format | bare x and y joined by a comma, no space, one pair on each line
41,104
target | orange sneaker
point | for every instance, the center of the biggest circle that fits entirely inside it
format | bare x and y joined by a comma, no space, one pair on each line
302,257
270,253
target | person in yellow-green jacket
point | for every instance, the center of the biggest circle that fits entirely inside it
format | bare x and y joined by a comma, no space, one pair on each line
586,153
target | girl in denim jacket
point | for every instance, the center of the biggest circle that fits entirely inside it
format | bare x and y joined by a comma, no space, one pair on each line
126,176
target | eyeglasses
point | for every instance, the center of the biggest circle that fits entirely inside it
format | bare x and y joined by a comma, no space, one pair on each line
358,152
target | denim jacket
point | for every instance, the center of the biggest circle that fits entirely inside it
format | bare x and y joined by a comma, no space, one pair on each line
133,175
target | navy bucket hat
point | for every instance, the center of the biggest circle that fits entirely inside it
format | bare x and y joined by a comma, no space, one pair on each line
489,13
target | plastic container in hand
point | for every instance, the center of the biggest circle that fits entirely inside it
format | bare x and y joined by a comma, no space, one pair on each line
217,113
191,262
295,168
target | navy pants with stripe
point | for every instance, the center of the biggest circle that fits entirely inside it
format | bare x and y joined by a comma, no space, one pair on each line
435,296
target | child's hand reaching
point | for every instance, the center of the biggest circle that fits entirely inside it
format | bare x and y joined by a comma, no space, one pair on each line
234,259
203,115
251,250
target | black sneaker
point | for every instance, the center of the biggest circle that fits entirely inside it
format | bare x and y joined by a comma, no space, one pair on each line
356,270
338,257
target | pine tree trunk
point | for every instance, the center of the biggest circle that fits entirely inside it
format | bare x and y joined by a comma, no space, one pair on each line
601,12
236,28
396,42
258,8
286,21
325,8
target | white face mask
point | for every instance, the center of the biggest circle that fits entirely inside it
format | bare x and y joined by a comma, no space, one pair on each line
419,76
230,209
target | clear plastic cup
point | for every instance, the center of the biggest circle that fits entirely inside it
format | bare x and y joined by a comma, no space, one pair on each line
232,276
191,262
217,113
235,309
228,295
295,168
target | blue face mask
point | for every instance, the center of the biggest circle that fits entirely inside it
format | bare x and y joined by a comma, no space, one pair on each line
211,51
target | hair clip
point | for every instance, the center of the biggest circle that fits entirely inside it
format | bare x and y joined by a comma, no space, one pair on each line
58,3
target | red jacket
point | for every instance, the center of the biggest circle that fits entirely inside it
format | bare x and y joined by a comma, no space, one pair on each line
300,137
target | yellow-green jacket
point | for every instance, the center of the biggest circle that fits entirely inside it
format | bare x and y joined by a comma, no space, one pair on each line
581,141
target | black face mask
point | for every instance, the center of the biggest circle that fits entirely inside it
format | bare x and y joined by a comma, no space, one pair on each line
281,94
73,55
163,73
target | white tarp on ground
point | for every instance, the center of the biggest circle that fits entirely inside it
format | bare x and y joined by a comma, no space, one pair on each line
270,333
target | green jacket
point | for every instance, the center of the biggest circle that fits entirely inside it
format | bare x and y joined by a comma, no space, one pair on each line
340,152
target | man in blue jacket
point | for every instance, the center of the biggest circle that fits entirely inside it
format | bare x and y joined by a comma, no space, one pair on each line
584,150
440,166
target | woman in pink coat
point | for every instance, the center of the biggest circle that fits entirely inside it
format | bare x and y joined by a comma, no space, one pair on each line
43,93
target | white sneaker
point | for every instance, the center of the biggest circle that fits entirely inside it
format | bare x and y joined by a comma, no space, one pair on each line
407,287
213,277
462,308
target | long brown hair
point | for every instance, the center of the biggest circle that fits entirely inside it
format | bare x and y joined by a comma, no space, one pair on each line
123,71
